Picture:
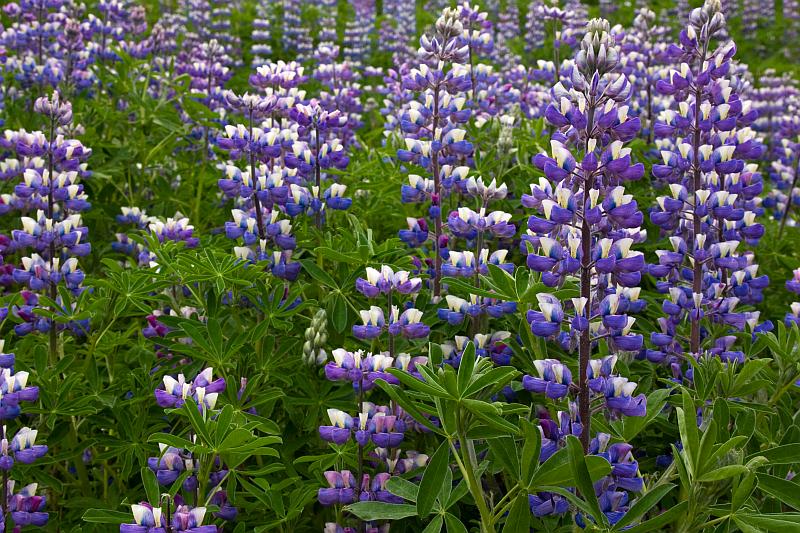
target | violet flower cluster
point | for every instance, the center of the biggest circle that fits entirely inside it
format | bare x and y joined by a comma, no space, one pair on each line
172,463
174,229
614,492
378,431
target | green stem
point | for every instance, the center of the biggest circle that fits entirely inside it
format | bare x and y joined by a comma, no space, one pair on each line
470,466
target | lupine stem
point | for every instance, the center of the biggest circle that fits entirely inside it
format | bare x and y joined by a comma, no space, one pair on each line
469,463
696,221
585,347
5,501
317,173
389,310
436,201
256,202
53,291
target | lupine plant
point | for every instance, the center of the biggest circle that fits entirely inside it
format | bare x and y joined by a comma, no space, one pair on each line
586,223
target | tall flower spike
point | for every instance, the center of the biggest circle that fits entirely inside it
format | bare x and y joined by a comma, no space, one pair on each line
585,223
55,234
710,207
430,124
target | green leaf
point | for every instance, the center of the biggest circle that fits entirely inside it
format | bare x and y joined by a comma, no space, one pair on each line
643,504
397,394
171,440
530,450
318,274
402,487
778,522
723,473
519,517
339,313
454,525
106,516
418,385
432,479
786,491
497,377
780,455
151,488
198,423
381,510
557,471
435,525
504,451
466,368
222,423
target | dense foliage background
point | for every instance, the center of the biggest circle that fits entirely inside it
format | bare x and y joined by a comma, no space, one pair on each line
715,448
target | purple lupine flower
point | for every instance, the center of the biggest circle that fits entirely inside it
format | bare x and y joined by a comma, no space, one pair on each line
431,140
553,381
27,509
14,389
168,466
22,448
341,488
203,390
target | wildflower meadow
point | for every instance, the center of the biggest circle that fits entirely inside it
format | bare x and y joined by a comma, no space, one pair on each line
361,266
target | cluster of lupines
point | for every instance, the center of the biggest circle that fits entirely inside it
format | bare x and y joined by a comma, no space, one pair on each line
51,167
507,32
33,60
793,285
476,228
174,229
344,93
317,153
585,224
25,508
711,206
613,491
296,36
777,100
785,172
398,29
174,514
534,27
643,54
262,188
377,429
262,34
358,31
479,41
327,36
791,22
120,24
207,65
